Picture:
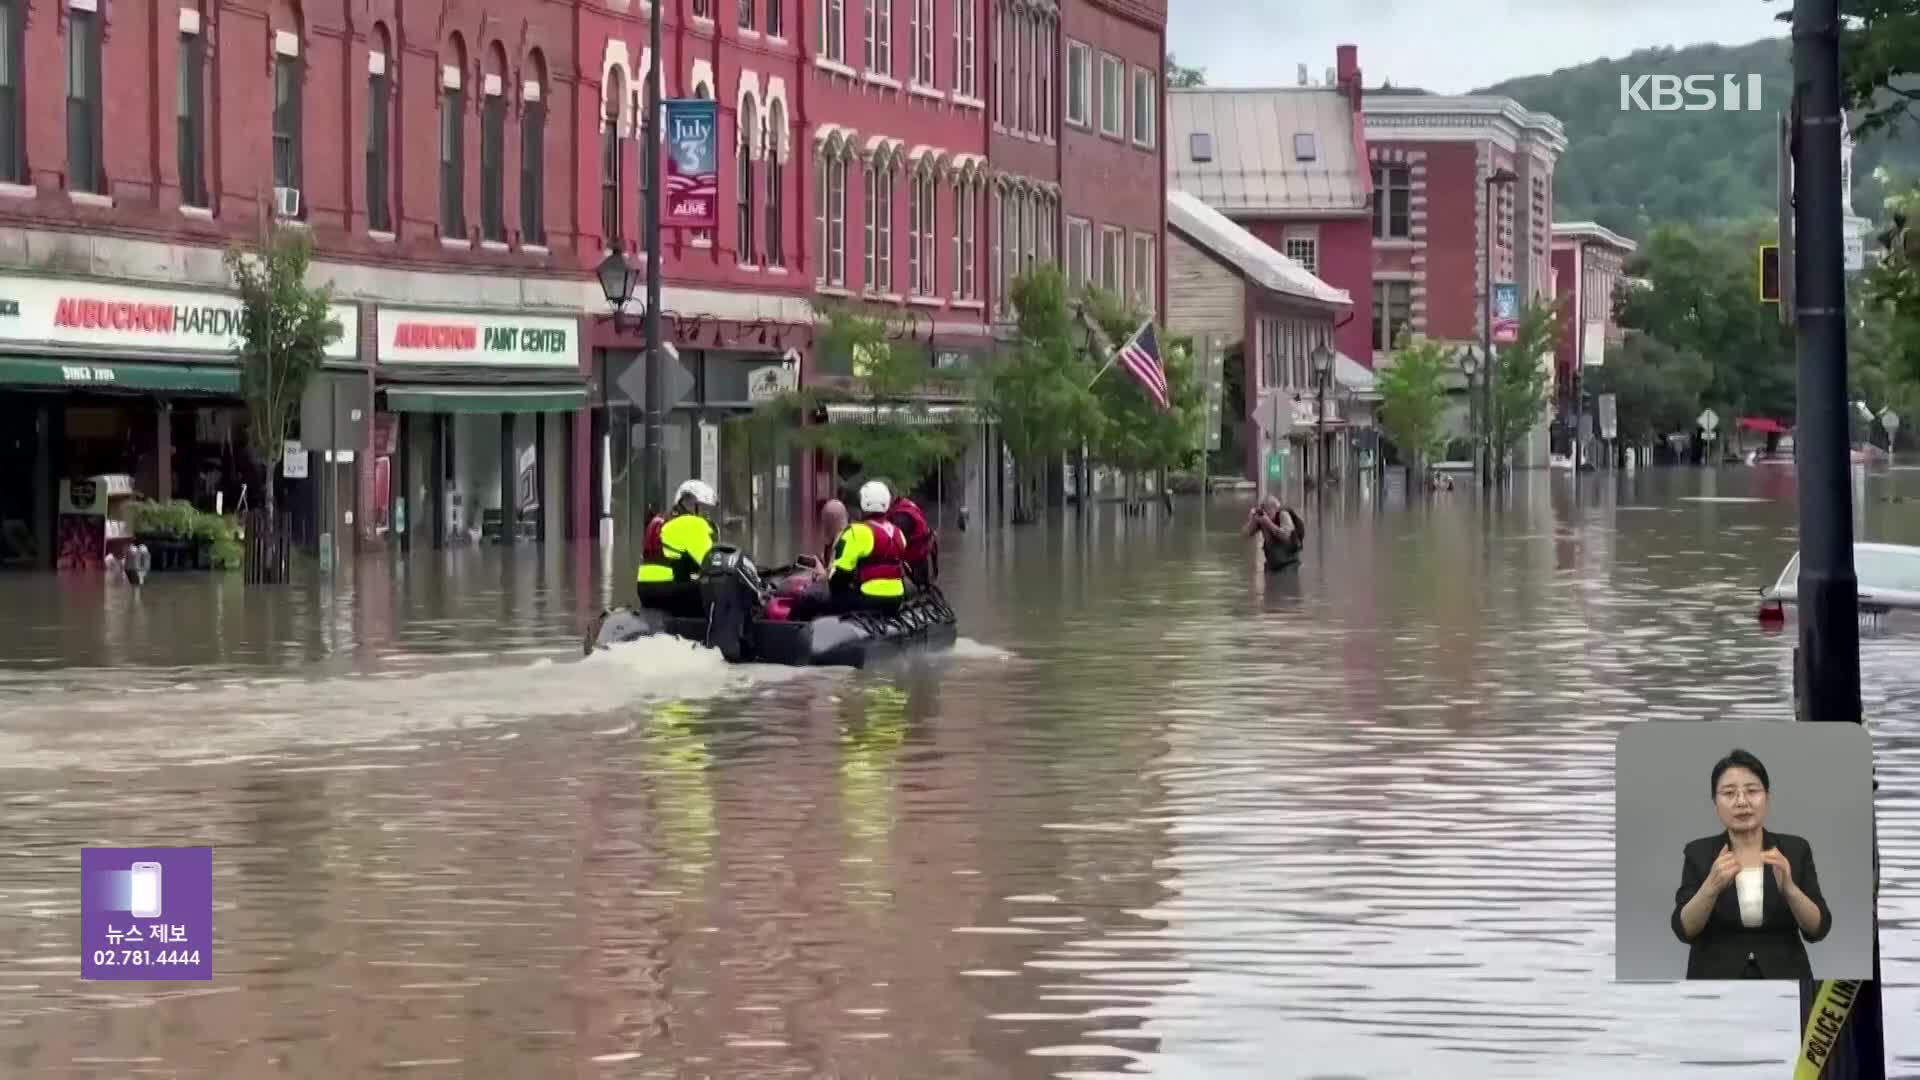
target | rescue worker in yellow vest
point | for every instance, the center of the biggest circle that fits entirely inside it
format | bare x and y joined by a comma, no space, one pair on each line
868,569
669,579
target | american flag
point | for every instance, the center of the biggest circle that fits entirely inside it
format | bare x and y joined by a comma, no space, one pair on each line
1141,357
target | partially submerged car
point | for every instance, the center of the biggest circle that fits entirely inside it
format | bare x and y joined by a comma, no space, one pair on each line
1888,577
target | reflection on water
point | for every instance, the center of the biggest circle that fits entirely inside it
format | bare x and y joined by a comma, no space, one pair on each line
1161,814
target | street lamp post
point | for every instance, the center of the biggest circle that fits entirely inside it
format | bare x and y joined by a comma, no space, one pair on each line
1322,373
655,418
1470,366
1484,440
617,279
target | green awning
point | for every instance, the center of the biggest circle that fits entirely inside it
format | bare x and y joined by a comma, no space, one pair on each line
78,374
485,399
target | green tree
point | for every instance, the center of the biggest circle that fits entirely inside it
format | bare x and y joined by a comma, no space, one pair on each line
1184,77
1656,387
286,327
1701,295
1520,375
893,431
1039,393
1134,435
1413,400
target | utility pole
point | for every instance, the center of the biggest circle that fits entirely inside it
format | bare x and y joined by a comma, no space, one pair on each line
655,417
1829,649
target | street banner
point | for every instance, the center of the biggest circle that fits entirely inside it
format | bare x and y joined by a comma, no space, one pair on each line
1506,312
693,164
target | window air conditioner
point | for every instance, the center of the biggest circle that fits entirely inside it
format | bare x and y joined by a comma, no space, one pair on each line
286,202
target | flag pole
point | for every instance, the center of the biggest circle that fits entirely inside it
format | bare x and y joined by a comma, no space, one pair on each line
1115,354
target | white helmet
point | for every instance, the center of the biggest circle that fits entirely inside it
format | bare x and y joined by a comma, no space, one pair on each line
700,490
875,498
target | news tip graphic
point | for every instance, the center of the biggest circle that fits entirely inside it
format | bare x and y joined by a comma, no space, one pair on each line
146,914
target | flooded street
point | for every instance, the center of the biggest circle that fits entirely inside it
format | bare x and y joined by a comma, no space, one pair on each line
1156,815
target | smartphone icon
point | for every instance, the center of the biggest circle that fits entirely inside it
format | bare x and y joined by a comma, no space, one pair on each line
146,890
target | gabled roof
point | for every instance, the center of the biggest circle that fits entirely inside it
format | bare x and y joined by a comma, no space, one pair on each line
1254,167
1246,252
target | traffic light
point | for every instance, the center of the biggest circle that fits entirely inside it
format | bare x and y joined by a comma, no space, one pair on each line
1769,273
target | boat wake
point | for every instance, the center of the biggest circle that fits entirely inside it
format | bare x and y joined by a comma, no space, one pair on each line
248,720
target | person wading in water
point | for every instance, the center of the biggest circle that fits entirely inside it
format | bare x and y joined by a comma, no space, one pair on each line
1282,534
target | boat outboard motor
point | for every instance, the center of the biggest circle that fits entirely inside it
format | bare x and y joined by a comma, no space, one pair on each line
734,594
619,626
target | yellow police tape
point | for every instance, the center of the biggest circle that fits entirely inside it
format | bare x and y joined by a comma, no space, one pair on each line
1832,1004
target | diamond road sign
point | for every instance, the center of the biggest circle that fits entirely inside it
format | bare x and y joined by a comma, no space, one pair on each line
1709,419
633,381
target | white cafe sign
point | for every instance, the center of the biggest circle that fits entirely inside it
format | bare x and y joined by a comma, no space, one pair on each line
57,311
441,337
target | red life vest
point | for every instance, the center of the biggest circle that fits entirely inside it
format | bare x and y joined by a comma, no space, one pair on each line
651,550
913,528
889,549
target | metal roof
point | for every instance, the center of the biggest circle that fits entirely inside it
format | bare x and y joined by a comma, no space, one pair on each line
1252,256
1255,167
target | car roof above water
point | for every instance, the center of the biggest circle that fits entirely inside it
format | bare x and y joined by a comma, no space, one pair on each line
1888,573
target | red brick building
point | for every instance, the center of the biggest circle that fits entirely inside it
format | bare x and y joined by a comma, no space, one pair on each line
456,401
1432,160
1111,121
1588,262
461,173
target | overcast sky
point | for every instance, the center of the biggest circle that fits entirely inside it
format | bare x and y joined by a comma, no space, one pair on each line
1447,46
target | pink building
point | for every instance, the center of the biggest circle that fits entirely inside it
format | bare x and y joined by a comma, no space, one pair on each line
1290,166
1588,263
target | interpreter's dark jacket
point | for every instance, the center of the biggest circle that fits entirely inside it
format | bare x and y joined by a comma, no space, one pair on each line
1724,946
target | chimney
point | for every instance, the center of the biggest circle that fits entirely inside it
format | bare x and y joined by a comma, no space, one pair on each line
1303,74
1348,72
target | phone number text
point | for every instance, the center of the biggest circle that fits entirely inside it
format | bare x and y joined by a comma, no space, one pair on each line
144,957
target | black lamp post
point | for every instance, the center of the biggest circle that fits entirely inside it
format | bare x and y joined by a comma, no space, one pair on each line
1484,440
1322,374
1470,366
618,277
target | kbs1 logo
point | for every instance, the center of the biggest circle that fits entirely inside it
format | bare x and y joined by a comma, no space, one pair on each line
1690,93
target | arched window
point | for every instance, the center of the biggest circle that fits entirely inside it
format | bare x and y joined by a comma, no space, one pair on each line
748,123
493,147
830,209
453,151
379,130
533,152
612,104
775,143
879,221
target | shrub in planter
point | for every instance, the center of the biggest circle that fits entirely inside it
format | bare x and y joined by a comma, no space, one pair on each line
179,536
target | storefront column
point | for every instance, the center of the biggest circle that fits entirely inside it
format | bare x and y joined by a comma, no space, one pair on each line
540,476
509,483
45,511
409,516
163,447
437,484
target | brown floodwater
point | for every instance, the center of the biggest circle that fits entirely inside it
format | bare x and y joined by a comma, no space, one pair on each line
1156,815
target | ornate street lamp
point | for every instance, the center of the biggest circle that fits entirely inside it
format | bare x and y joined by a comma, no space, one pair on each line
1322,375
618,279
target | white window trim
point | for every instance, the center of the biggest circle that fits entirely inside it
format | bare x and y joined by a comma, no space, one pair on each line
1085,119
1119,111
1120,273
1153,108
190,22
84,5
285,42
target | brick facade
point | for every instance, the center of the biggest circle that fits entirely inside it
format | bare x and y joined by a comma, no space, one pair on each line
1113,174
